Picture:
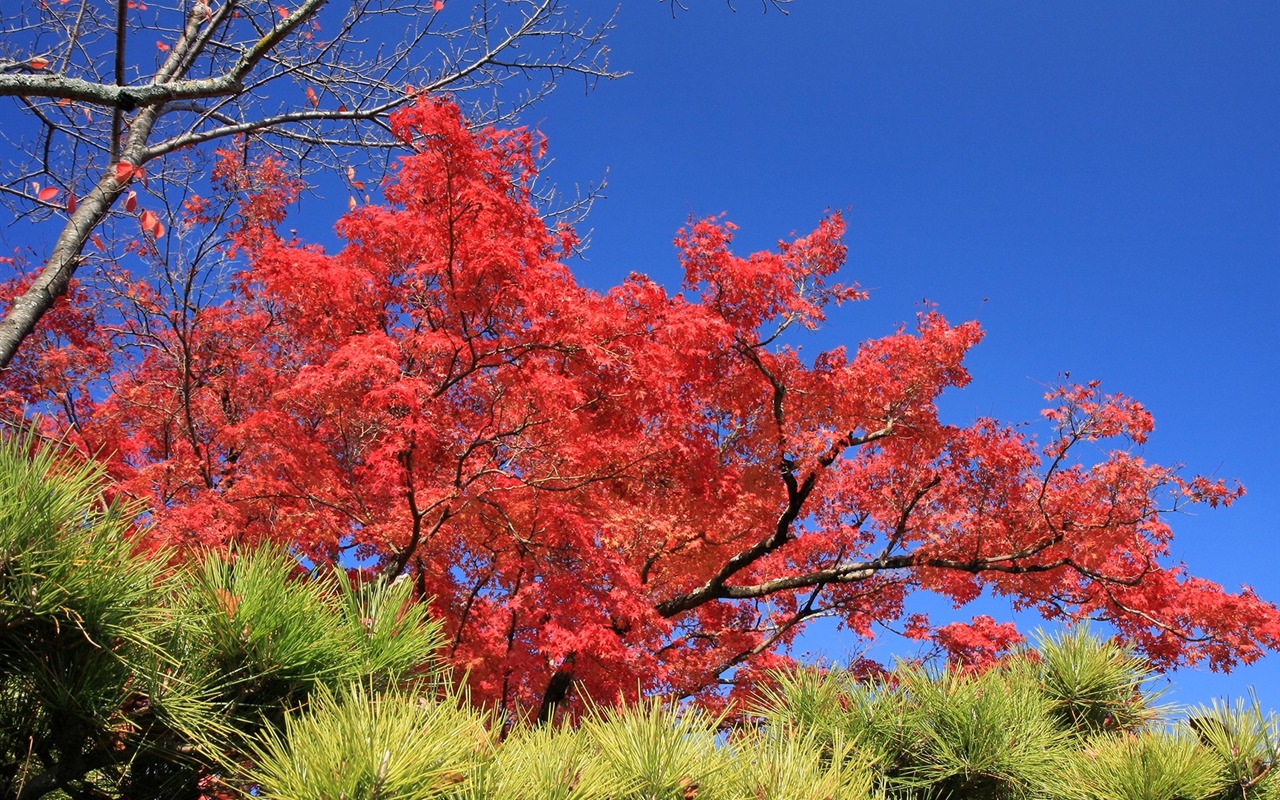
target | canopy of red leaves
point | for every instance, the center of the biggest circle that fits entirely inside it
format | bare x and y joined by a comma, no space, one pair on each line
618,492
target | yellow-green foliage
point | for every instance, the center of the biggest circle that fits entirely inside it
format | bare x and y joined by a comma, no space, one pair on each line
655,754
1093,685
916,734
401,747
1153,765
788,765
1246,744
988,734
543,763
391,746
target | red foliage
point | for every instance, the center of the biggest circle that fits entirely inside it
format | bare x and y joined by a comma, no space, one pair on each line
980,643
632,489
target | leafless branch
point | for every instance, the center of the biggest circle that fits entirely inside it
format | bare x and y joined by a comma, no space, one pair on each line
315,81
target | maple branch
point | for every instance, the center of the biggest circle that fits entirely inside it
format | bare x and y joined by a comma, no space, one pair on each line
860,571
1166,627
805,611
405,554
557,688
401,559
797,492
844,573
900,527
465,615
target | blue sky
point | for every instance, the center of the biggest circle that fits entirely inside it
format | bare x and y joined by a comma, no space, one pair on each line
1097,182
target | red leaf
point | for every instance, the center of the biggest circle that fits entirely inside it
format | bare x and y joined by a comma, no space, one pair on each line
150,222
439,5
71,203
131,202
39,62
162,47
124,170
311,97
48,193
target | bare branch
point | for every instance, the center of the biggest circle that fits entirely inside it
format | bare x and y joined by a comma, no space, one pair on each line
241,68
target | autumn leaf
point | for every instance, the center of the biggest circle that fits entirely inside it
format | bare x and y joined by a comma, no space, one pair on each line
124,171
47,193
150,223
38,63
351,177
131,202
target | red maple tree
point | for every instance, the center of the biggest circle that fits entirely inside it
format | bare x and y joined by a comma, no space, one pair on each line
618,492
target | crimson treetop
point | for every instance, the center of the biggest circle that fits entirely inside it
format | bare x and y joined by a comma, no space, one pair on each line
634,489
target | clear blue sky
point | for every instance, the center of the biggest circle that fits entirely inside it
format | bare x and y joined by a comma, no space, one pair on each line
1097,182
